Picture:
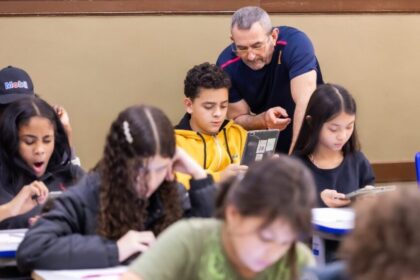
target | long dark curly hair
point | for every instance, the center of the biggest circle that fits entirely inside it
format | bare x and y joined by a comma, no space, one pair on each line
139,133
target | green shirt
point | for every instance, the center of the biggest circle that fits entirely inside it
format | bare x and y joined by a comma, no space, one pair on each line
192,250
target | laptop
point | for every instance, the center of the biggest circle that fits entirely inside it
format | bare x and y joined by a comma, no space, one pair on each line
259,144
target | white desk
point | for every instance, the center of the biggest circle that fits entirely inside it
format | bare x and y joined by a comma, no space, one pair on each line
112,273
329,224
9,242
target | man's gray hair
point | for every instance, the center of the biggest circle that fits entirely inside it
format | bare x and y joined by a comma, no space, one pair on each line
245,17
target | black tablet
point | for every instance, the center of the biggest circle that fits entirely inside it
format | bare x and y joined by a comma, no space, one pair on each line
259,144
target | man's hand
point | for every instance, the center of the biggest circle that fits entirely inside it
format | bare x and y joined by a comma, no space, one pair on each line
276,118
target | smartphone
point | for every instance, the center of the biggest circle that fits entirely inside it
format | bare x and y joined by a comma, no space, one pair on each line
369,191
54,194
51,195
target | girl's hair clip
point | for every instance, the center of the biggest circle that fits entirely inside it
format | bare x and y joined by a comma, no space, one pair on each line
127,133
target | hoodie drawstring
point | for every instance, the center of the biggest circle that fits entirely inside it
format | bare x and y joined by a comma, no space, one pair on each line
227,145
205,150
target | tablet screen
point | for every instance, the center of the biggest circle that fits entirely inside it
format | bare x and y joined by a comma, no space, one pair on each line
259,144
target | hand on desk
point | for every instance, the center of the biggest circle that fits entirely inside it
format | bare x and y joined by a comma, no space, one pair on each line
334,199
133,242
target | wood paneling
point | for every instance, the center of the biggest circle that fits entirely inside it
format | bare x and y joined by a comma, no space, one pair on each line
341,6
121,7
394,172
118,7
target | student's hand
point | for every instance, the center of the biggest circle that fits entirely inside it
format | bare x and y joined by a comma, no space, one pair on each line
64,119
29,196
334,199
184,163
232,170
62,115
34,219
133,242
130,276
276,118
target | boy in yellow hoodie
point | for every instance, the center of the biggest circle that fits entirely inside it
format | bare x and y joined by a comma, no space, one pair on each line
204,133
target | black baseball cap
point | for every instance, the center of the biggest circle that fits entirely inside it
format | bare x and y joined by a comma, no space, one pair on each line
15,84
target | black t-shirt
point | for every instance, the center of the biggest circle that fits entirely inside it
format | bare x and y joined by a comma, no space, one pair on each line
353,173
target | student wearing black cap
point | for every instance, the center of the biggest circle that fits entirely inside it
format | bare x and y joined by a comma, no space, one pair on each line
16,205
34,160
15,83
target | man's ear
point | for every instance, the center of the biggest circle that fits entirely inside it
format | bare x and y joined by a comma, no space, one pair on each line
188,105
275,35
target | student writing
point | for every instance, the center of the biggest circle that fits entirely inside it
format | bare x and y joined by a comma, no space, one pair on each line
118,209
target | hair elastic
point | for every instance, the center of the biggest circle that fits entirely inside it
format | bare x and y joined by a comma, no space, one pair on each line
126,128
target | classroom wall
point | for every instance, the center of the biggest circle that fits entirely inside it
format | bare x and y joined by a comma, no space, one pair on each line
96,66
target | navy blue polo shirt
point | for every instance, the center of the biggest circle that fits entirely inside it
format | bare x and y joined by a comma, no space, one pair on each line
270,86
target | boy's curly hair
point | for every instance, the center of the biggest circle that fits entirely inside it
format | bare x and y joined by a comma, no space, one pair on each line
205,75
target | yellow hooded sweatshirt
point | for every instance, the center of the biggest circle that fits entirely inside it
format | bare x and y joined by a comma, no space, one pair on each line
213,152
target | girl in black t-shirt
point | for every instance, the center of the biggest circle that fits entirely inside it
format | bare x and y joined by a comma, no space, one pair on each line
329,146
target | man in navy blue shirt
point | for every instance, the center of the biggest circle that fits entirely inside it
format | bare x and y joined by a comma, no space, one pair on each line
273,71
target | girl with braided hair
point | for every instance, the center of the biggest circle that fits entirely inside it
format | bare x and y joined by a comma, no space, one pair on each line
118,208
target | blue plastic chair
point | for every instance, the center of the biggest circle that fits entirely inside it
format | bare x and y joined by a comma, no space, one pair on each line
417,162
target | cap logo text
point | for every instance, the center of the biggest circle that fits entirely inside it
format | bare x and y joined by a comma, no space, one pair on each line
18,84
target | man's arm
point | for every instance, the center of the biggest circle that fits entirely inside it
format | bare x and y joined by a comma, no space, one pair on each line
241,114
275,117
302,88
